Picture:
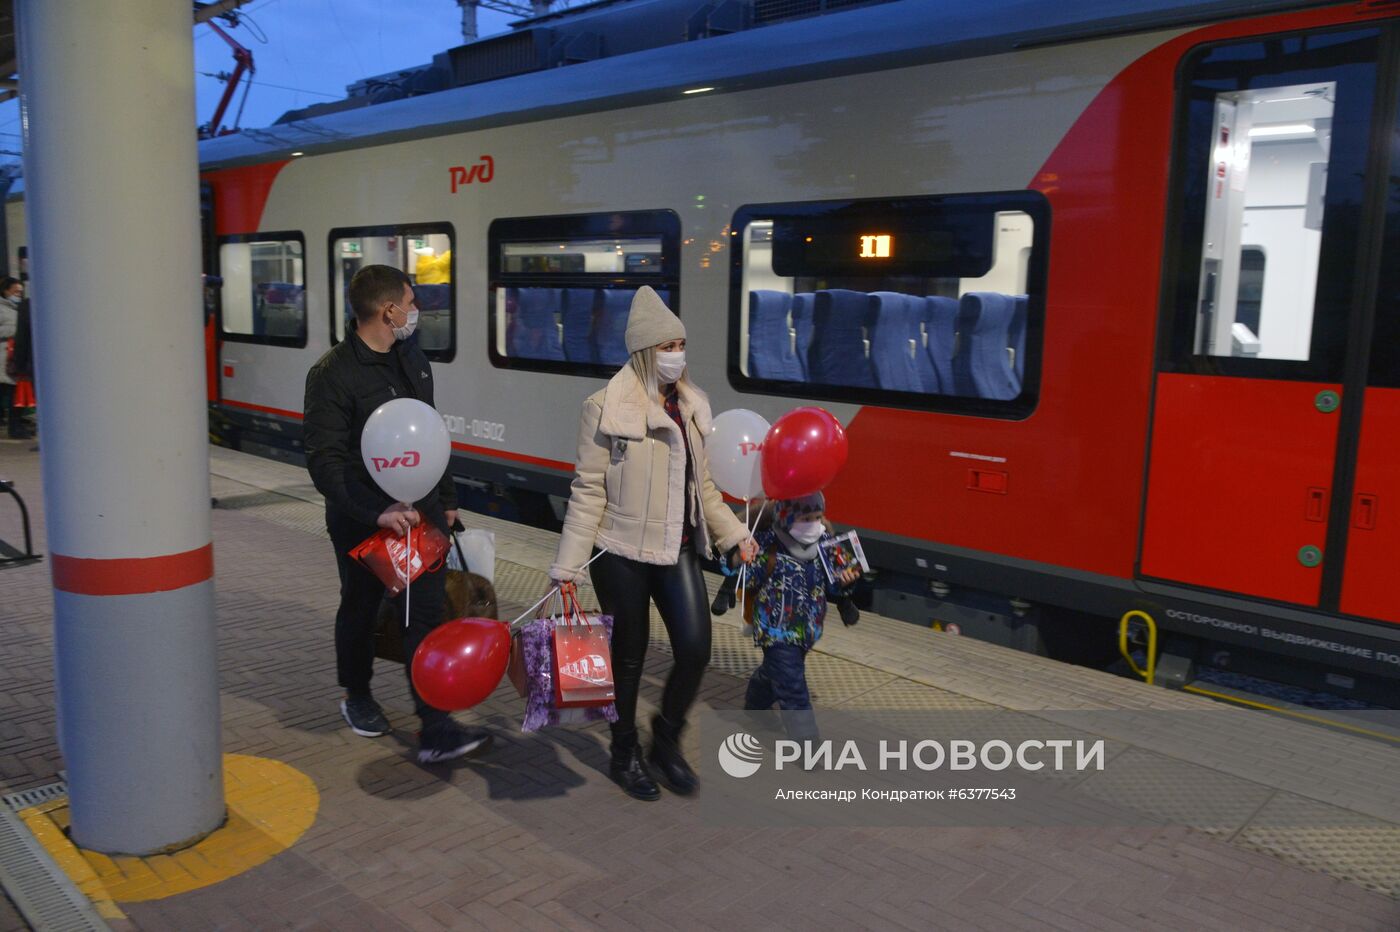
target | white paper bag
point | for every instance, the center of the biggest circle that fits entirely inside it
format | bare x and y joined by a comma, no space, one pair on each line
479,547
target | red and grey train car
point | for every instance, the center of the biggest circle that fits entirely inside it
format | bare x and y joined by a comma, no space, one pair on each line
1108,295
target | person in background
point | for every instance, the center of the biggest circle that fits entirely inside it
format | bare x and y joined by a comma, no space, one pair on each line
377,362
17,360
10,292
642,489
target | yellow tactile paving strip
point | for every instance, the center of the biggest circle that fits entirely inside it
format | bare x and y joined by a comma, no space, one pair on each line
270,805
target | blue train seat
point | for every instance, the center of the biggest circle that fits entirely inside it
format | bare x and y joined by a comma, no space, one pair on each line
941,325
838,354
432,297
609,334
1017,336
770,340
279,309
435,315
577,316
923,363
534,334
894,333
984,319
434,330
802,329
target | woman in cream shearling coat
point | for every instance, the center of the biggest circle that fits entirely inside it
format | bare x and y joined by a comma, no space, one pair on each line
642,490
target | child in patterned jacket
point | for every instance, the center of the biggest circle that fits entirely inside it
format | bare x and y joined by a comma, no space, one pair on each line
788,586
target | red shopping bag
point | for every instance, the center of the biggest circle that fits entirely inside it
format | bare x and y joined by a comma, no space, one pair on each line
582,658
386,555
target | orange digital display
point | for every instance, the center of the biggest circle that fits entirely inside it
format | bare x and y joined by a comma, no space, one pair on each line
876,246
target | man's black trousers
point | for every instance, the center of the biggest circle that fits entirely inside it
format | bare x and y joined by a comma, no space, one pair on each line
357,618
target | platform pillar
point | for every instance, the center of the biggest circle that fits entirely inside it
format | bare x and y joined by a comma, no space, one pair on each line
111,175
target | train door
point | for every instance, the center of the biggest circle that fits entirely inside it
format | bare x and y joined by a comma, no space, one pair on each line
1373,515
1267,304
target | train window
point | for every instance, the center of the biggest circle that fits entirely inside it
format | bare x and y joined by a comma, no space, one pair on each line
919,302
561,287
424,253
1269,179
263,295
1261,251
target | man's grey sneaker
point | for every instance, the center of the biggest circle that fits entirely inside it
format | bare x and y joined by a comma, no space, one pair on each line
447,740
364,716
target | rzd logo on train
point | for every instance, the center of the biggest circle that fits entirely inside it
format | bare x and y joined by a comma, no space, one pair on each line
409,459
483,171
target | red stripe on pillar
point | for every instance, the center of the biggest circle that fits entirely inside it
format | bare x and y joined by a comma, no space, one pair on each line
132,575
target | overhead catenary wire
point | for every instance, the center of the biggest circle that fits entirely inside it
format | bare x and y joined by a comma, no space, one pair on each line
256,31
280,87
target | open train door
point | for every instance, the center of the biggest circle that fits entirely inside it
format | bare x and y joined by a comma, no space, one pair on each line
1276,426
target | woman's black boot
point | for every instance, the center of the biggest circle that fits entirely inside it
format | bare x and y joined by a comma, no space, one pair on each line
666,760
628,772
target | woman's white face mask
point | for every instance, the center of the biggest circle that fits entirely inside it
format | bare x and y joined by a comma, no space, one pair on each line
807,532
670,366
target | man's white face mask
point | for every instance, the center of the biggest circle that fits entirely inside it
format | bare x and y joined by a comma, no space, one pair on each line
406,331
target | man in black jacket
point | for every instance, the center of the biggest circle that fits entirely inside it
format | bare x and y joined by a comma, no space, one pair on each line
375,363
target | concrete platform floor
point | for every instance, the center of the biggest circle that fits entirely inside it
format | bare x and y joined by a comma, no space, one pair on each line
535,836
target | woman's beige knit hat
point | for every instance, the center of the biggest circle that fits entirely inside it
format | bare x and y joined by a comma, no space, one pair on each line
650,322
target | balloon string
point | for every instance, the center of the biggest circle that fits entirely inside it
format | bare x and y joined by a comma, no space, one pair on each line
408,576
553,589
743,567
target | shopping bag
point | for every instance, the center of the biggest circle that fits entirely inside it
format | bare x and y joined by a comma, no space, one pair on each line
474,550
387,555
582,659
533,670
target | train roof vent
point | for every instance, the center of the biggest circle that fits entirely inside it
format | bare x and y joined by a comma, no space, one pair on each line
580,47
719,19
773,11
501,56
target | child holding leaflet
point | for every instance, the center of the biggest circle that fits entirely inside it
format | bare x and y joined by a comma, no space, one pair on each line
789,586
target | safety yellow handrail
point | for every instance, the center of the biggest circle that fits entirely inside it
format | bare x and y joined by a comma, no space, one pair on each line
1146,674
1151,668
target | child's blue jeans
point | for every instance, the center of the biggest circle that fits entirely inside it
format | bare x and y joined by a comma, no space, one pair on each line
782,678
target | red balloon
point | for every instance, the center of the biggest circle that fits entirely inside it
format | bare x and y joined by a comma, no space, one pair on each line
803,452
461,662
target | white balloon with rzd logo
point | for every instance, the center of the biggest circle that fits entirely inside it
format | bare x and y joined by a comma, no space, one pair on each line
406,448
735,451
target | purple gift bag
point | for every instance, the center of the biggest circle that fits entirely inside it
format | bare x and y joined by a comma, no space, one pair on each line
532,667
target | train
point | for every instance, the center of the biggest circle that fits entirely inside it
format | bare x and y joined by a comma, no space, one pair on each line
1106,295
